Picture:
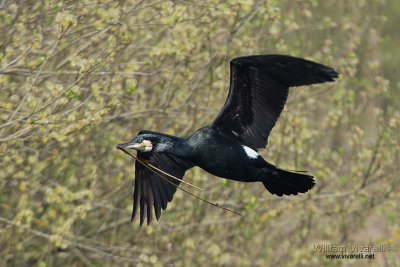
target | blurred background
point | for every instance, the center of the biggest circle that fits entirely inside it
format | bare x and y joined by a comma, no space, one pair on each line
79,77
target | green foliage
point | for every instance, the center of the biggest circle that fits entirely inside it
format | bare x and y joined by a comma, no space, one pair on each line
78,77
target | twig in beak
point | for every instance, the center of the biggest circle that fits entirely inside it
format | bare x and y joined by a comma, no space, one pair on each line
150,167
148,164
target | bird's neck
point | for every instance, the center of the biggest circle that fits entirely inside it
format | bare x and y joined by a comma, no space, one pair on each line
174,145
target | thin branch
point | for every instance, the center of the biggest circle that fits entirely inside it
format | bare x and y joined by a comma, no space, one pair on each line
4,4
36,77
367,173
16,134
134,113
82,257
70,242
15,60
84,75
172,176
109,227
77,106
196,4
28,72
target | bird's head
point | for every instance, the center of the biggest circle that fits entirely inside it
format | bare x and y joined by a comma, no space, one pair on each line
142,143
148,141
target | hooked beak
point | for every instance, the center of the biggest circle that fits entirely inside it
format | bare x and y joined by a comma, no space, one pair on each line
144,146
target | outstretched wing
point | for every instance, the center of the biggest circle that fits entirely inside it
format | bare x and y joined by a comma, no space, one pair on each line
150,189
259,87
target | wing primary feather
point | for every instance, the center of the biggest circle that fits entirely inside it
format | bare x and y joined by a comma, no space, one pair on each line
150,202
168,191
142,211
164,198
157,200
136,198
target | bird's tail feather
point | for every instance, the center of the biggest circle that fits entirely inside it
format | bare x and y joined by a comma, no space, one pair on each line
281,182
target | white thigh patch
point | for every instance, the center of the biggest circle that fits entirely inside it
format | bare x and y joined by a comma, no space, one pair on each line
250,152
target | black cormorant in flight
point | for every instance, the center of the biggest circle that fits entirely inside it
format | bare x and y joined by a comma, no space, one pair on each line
227,148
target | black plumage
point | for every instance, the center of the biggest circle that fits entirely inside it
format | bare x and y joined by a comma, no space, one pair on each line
259,87
152,190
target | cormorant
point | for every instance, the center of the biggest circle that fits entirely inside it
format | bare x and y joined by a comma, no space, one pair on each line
227,148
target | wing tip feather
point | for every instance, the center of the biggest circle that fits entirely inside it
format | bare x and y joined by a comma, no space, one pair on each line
152,191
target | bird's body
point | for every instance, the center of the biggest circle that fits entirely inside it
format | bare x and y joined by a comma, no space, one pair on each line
227,148
221,155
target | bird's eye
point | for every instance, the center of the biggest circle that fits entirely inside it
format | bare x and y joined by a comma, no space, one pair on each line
140,140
